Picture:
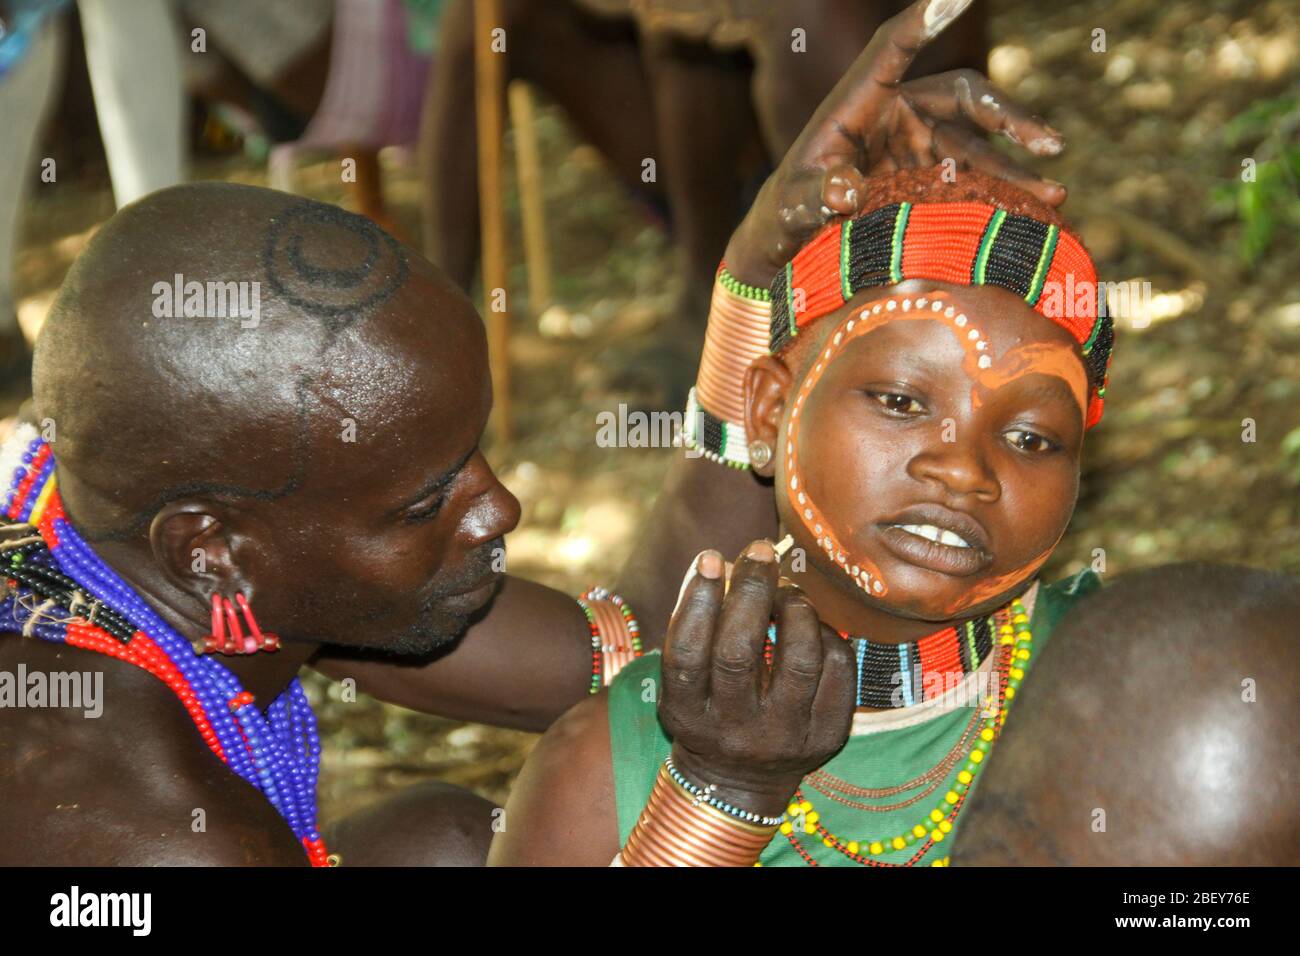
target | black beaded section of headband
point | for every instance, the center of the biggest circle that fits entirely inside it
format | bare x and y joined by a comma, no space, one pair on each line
879,673
871,252
28,566
1096,351
780,332
1015,250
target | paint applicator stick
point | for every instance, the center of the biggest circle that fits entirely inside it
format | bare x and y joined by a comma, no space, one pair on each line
781,547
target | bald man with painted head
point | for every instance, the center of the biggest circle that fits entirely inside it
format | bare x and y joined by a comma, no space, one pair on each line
1157,729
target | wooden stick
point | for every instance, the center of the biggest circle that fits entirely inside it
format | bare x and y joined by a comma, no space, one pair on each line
532,203
489,94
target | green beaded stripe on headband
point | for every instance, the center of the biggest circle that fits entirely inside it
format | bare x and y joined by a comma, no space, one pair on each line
896,246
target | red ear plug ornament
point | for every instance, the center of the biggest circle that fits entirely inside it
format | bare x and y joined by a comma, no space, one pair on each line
228,636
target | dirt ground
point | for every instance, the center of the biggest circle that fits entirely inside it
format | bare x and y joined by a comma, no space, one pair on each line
1168,475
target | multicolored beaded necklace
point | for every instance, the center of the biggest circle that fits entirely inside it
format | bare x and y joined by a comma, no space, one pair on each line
900,675
55,570
1015,642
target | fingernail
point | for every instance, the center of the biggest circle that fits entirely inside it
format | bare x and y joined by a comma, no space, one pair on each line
1053,182
710,565
761,550
690,576
939,13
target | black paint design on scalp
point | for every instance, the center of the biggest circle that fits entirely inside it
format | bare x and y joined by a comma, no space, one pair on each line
337,297
321,291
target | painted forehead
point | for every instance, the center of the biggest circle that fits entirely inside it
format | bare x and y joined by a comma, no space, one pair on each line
986,372
990,359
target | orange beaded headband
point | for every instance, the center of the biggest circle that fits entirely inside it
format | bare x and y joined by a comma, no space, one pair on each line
964,243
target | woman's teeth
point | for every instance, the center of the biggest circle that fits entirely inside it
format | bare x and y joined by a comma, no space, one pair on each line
937,535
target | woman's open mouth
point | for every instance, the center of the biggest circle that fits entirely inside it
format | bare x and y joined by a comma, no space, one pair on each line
937,539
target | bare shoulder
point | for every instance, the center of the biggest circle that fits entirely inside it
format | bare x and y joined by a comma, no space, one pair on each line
562,811
109,813
130,785
1199,596
426,824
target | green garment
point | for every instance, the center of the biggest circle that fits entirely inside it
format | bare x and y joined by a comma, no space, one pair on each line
880,759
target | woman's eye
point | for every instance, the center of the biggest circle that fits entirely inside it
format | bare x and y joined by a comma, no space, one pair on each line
894,402
1029,441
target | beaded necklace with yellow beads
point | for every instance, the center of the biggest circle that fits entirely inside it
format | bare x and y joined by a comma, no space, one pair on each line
1014,651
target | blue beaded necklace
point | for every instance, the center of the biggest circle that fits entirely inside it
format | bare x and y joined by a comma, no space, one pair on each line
277,752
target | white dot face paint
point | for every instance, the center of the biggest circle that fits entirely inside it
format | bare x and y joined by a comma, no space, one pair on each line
934,307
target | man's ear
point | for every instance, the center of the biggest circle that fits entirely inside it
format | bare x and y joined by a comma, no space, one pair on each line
190,545
767,382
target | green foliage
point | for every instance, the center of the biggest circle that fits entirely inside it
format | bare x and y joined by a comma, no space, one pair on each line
1271,199
1291,454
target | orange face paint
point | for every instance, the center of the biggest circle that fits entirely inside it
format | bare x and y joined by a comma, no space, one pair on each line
995,586
1056,359
935,307
1036,358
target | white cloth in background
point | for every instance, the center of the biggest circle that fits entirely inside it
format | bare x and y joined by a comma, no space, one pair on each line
26,98
261,38
135,72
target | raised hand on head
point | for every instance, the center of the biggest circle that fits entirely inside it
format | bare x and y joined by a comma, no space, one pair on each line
872,123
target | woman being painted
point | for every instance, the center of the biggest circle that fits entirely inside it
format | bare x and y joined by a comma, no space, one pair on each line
917,383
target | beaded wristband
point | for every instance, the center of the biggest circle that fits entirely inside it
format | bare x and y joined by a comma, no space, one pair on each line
740,318
717,439
674,831
705,795
615,635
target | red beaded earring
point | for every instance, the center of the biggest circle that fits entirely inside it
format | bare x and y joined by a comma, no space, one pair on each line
234,640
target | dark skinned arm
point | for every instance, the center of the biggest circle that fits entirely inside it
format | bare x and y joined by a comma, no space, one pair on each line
561,810
702,505
132,803
523,665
